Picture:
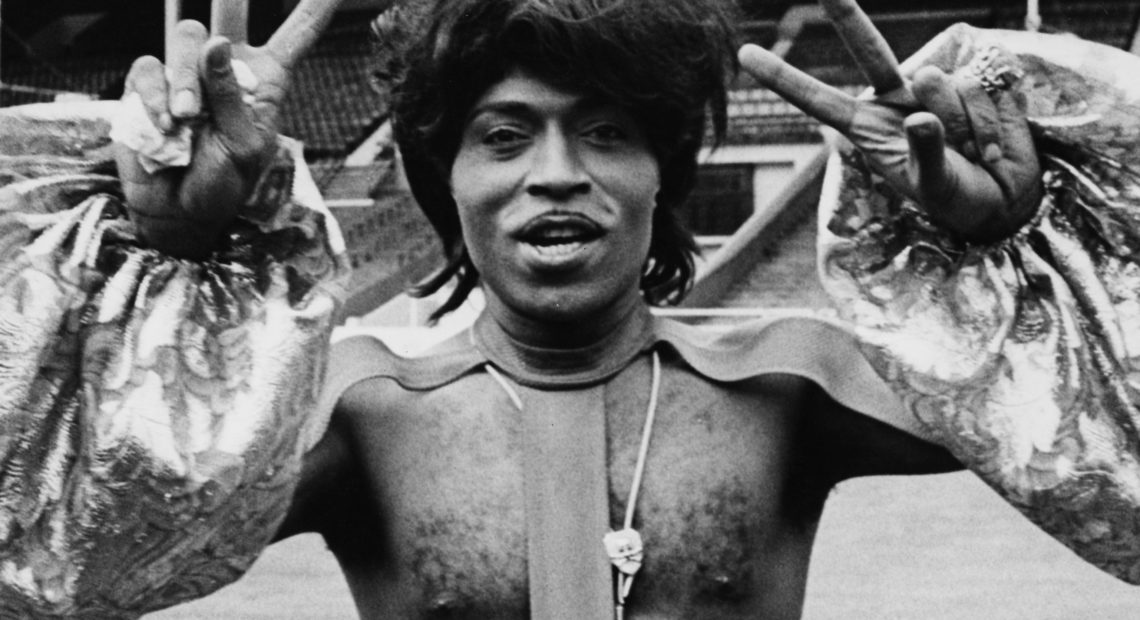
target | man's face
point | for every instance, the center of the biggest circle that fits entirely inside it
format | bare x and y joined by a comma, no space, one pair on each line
556,192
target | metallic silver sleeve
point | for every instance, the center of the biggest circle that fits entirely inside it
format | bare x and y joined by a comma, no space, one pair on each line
153,411
1021,356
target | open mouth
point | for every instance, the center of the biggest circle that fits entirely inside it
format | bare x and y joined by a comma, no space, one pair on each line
557,235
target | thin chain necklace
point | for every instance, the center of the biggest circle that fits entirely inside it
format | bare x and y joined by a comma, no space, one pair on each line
623,546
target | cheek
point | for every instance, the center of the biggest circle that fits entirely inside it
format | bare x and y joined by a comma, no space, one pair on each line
461,186
643,187
636,193
474,200
477,228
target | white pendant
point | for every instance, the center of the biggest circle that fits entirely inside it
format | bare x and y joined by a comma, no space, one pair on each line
625,550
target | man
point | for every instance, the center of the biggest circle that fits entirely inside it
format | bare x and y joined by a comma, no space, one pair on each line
547,143
477,482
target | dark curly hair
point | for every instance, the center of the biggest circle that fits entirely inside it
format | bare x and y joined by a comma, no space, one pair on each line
665,60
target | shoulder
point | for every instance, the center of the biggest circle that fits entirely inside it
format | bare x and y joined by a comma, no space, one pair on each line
353,361
821,352
359,359
362,352
849,423
803,346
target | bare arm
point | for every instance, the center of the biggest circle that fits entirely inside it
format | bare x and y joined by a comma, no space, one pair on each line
328,485
842,443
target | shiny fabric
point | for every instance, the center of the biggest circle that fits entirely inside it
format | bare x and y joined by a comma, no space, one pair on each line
1020,356
153,411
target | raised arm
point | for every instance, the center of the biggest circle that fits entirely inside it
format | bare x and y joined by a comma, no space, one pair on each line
959,148
1002,315
156,409
228,94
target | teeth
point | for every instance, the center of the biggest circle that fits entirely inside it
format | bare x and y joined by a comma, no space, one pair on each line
558,249
558,236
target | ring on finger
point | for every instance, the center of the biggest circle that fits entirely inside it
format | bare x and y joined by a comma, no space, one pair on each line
993,70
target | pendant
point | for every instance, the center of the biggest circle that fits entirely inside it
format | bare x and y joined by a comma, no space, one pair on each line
626,553
625,550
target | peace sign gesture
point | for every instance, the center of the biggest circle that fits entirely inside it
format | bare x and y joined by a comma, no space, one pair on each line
185,211
984,188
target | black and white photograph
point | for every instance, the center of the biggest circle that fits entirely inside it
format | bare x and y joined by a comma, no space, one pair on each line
569,309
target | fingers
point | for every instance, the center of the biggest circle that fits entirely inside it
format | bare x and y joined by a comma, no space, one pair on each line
182,60
984,118
230,19
929,174
1018,172
866,44
1016,137
936,93
231,116
973,124
829,105
147,79
938,174
300,30
971,199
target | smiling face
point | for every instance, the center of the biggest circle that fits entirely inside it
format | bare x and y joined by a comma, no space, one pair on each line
556,192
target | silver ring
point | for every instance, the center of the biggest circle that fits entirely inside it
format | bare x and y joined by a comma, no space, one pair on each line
995,76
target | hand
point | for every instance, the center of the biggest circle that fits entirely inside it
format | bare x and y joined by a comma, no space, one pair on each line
985,188
186,211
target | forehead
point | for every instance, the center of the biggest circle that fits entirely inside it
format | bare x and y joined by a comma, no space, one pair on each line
524,89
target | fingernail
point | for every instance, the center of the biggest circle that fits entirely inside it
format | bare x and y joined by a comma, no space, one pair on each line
219,58
184,103
992,152
749,53
165,122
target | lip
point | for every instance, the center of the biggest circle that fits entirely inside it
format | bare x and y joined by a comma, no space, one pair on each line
558,241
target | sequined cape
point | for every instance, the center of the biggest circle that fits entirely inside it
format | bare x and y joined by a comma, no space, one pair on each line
1019,356
153,411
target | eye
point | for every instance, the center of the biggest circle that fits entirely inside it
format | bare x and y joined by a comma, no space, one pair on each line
503,137
607,134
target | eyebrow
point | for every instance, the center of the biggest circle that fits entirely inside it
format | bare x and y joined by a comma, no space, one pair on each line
506,106
511,107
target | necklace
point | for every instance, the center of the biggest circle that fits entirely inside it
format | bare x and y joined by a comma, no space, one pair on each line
624,546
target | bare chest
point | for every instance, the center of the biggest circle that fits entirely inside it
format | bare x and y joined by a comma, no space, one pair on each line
713,507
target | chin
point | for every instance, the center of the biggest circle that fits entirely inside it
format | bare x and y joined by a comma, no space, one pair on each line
562,310
566,303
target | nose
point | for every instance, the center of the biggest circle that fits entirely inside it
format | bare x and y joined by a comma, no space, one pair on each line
556,170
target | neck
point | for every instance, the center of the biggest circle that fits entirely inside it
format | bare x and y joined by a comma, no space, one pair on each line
540,331
571,353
